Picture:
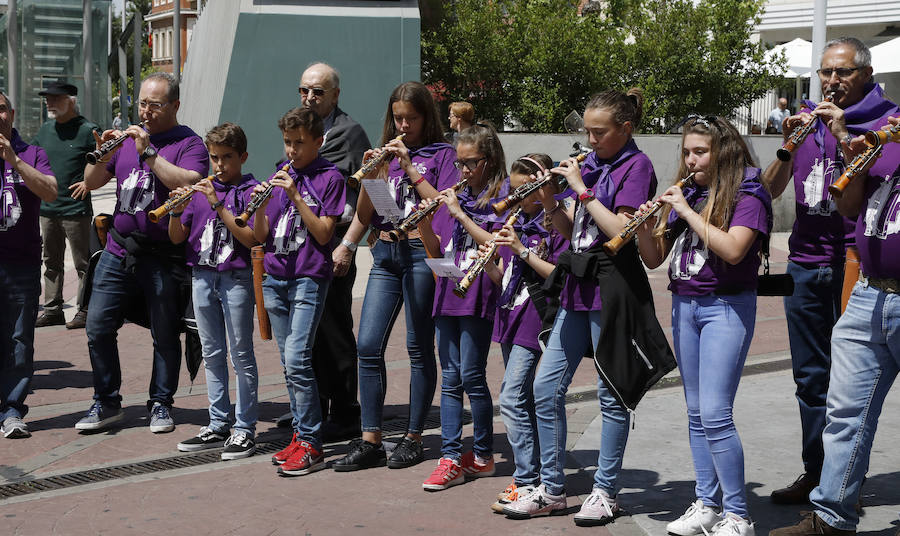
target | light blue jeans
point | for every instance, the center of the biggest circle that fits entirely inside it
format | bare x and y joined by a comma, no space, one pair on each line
574,334
223,306
712,336
517,410
294,307
865,359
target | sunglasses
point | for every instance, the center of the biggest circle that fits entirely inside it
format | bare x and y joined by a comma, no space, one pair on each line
317,91
841,72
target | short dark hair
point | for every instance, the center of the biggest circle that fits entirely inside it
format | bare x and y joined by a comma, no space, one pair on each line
174,92
302,118
229,135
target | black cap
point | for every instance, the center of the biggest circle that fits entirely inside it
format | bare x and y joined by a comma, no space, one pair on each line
59,87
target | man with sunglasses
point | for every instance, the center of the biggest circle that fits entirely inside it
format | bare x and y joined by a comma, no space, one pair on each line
821,235
334,352
139,260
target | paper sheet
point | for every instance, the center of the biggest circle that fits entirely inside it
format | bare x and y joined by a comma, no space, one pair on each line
383,199
444,267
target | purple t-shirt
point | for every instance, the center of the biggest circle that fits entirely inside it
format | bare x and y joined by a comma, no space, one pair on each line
210,245
878,226
435,163
625,180
138,190
694,270
20,232
820,234
291,252
517,321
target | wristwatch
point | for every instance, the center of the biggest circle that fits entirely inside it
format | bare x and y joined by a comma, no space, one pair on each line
217,204
524,255
148,153
348,244
586,195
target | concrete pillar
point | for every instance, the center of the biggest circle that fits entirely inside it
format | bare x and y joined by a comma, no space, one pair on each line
87,49
12,45
176,32
818,42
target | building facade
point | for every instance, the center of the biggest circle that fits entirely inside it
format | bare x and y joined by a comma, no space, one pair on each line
161,20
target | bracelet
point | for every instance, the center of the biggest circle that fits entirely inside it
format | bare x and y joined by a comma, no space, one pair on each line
348,244
419,180
217,204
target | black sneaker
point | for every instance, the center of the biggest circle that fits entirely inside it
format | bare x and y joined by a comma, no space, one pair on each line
407,453
239,445
206,439
362,455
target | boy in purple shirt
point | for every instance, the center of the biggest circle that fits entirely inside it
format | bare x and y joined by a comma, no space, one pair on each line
296,224
25,181
139,258
222,290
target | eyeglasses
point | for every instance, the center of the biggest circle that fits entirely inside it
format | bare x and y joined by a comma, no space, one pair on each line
841,72
317,91
470,164
152,106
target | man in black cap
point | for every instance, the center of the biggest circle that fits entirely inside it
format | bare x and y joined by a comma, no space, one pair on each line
66,138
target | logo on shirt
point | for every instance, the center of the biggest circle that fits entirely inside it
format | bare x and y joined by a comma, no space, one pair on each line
463,256
137,192
216,244
585,231
290,233
815,188
10,209
689,256
883,211
404,193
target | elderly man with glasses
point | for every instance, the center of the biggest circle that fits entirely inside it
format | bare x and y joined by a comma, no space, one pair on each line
139,259
821,235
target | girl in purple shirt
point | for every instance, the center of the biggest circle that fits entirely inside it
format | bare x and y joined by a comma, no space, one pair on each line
715,229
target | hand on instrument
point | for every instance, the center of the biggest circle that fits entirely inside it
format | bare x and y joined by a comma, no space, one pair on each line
183,191
508,237
569,169
78,190
483,250
789,124
423,204
341,257
141,137
452,203
833,117
369,155
283,180
649,223
6,151
206,188
258,190
400,151
675,197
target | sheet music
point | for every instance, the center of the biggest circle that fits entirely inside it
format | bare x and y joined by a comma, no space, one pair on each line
383,199
444,267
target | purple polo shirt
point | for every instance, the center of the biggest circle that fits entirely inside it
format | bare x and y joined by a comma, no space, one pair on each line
517,321
210,244
878,225
694,270
820,234
291,252
20,232
625,180
435,163
138,190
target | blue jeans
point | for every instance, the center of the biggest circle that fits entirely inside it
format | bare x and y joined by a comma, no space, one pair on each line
865,351
114,291
294,307
463,345
20,289
517,410
811,313
712,335
574,334
399,277
223,306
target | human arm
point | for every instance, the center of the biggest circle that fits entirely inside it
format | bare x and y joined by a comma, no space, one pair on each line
611,223
178,231
653,249
507,237
41,184
851,200
244,234
456,212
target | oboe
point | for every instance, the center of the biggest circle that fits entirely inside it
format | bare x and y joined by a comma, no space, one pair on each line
523,191
106,147
258,200
413,219
800,133
463,285
353,180
174,202
613,245
875,139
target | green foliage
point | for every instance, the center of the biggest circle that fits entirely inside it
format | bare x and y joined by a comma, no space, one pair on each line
534,61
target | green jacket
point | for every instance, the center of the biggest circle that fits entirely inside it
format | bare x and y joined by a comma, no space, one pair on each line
66,145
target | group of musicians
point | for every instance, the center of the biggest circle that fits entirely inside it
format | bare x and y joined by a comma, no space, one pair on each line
542,259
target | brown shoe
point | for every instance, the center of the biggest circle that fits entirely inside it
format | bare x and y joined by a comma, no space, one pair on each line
78,321
810,525
796,493
50,319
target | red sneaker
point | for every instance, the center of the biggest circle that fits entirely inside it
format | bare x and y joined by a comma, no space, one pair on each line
472,468
302,462
282,455
447,474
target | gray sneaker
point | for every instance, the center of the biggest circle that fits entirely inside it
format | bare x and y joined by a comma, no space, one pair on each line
100,417
161,418
14,428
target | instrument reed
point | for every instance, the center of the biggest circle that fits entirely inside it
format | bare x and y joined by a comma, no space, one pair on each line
174,202
800,133
876,140
462,287
258,200
353,180
106,147
413,219
613,245
523,191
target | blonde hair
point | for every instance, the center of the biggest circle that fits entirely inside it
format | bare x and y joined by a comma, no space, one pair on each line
464,111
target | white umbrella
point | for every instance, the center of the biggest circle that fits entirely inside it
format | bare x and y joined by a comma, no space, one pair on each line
798,53
886,57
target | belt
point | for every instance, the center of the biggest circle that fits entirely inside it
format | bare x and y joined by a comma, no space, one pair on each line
412,235
889,285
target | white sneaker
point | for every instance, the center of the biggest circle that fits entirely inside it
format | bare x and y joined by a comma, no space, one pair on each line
733,525
537,503
598,509
697,519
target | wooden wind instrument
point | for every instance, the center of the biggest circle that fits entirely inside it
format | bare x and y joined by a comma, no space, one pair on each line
800,133
876,140
523,191
408,223
353,180
256,256
258,200
478,266
174,202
